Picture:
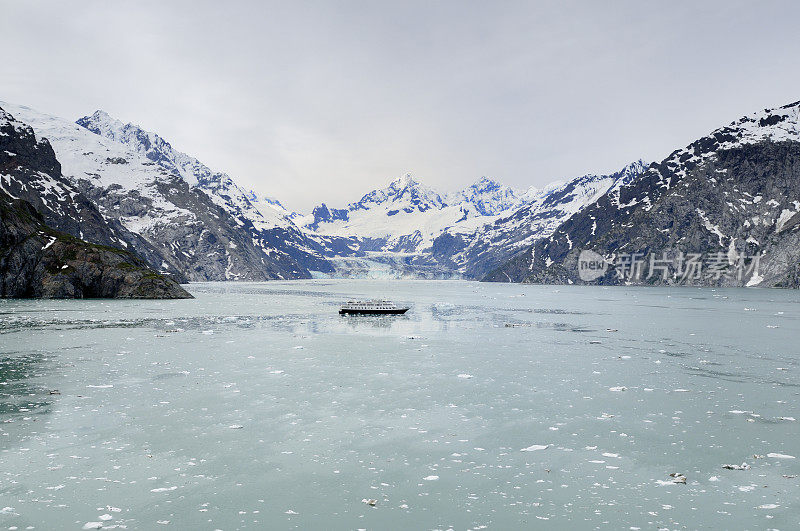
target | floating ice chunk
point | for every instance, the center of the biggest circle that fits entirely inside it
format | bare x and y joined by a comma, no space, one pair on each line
609,454
299,347
371,502
465,376
290,512
105,517
618,389
93,525
713,478
535,447
104,386
780,456
430,478
236,426
164,489
768,506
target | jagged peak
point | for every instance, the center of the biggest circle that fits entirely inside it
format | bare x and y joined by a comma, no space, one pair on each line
485,183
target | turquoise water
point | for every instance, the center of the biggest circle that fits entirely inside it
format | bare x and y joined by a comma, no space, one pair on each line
487,406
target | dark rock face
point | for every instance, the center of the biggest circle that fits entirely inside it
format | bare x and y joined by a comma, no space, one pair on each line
39,262
322,214
729,202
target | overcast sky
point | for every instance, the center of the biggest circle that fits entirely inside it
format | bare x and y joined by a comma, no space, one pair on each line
324,101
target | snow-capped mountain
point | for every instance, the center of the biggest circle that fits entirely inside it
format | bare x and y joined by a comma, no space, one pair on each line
199,224
407,216
217,185
29,171
199,221
269,224
54,243
488,197
730,199
475,253
416,230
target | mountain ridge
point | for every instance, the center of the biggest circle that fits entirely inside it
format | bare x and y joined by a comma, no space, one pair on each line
732,196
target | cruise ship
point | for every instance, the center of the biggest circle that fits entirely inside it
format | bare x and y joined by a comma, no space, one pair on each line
372,307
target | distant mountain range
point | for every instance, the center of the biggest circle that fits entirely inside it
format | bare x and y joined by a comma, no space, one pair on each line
118,185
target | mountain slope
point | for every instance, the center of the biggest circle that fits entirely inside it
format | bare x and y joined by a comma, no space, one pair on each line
491,244
266,222
191,231
39,262
725,210
31,172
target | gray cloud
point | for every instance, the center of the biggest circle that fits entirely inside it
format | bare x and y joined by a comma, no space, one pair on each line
323,101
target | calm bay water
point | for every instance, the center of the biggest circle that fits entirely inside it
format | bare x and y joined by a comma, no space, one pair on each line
486,406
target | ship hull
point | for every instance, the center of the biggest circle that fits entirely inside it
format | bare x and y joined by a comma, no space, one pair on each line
394,311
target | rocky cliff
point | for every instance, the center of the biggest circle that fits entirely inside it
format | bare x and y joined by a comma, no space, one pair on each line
40,262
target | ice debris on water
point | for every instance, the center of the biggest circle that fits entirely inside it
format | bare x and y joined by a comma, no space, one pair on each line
743,466
369,501
535,447
164,489
236,426
430,478
93,525
780,456
465,376
618,389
